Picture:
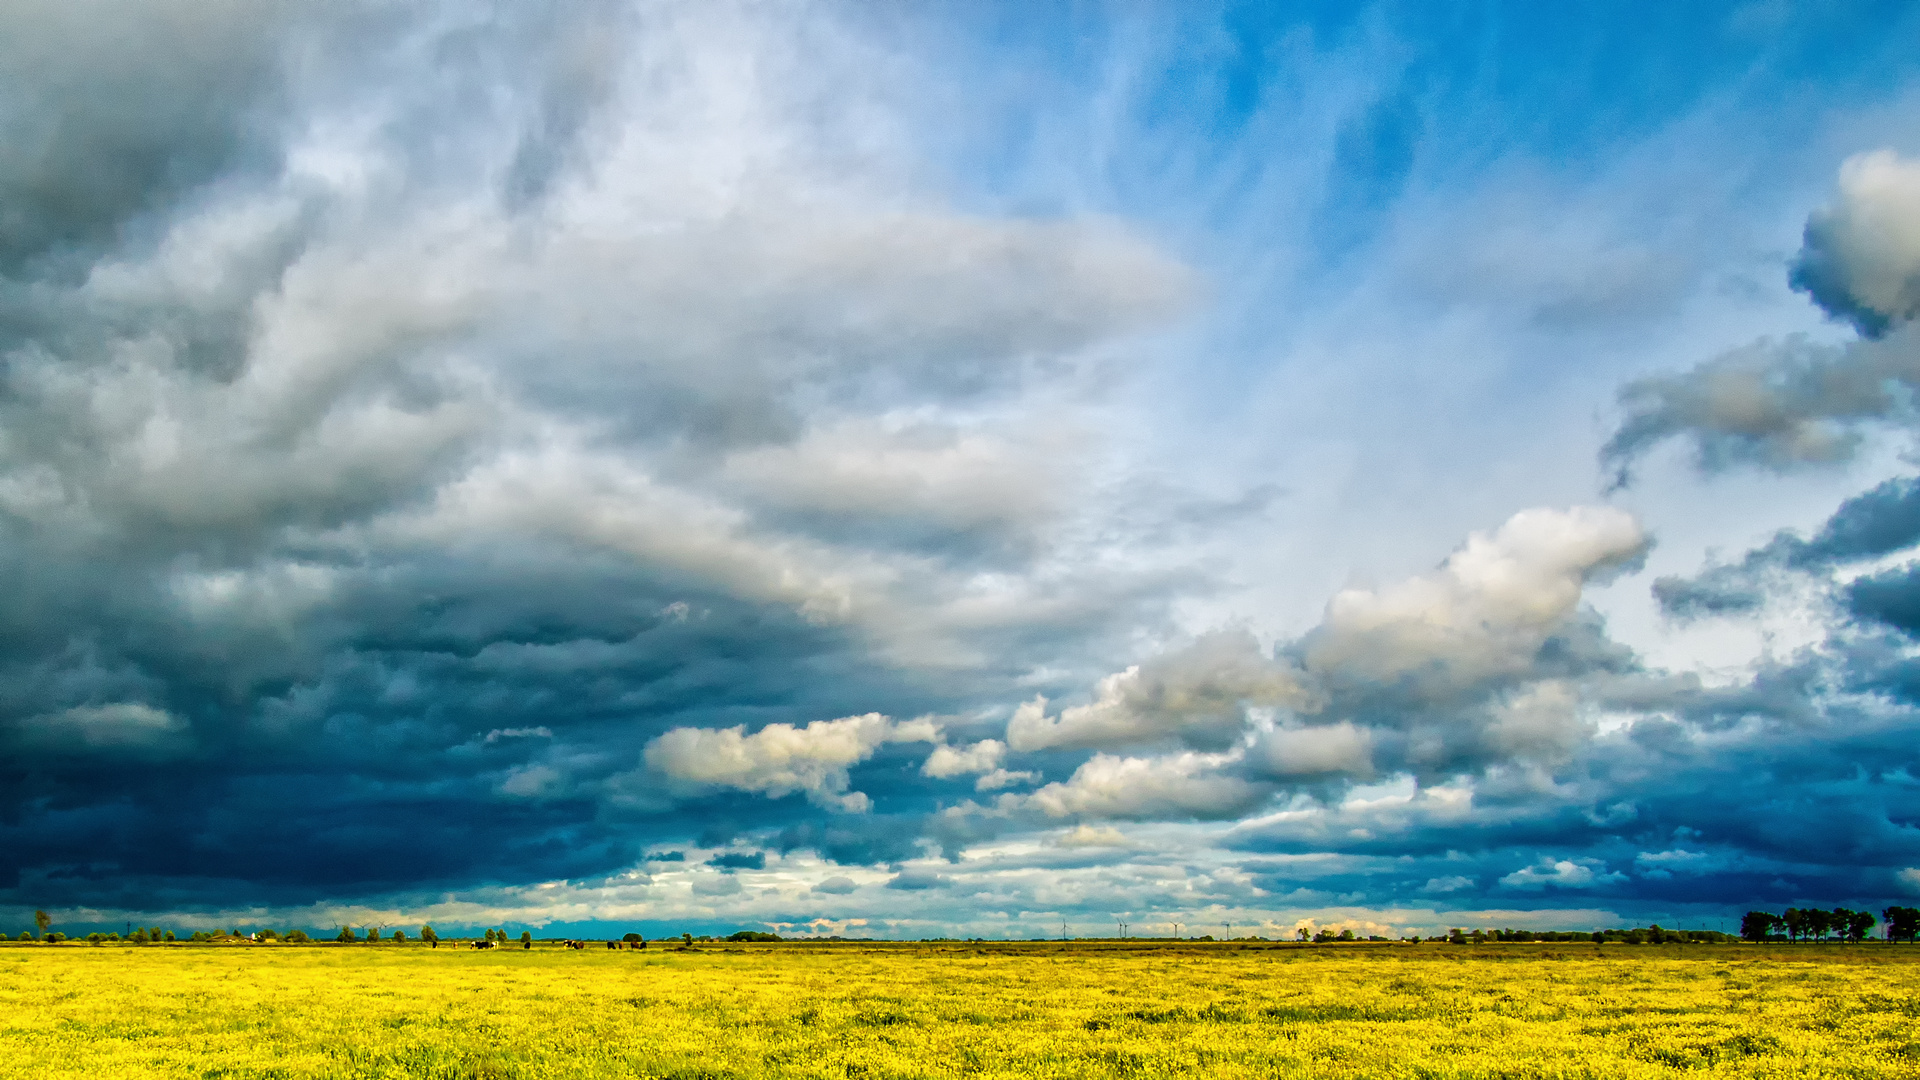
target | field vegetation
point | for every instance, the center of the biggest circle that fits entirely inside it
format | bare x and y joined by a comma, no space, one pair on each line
755,1009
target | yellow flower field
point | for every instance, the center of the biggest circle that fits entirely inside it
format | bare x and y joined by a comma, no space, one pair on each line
849,1010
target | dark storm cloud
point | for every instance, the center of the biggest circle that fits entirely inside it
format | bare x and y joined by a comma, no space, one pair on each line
1872,524
408,416
109,113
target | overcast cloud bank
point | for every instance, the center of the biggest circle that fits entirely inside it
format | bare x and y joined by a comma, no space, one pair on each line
608,468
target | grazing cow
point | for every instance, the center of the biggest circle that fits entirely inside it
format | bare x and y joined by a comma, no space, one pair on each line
613,944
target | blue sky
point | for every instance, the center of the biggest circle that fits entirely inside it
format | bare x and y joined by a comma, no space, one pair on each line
951,470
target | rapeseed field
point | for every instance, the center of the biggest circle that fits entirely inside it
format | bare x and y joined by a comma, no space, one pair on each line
1133,1010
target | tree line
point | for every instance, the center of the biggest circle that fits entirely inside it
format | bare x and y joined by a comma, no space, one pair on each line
1821,924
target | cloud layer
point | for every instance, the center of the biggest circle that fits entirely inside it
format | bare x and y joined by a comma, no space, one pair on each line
714,464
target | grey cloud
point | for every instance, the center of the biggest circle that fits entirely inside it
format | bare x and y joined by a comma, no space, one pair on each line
1861,256
1875,523
1776,404
917,879
114,111
838,885
1780,404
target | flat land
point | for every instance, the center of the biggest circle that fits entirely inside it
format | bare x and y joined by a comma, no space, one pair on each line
957,1010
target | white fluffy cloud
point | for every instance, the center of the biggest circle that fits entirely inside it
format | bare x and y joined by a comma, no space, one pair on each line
1485,613
1185,785
948,761
780,759
1199,695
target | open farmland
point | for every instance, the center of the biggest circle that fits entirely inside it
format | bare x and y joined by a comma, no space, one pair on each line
960,1010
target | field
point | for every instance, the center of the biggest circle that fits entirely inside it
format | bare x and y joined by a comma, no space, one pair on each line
958,1010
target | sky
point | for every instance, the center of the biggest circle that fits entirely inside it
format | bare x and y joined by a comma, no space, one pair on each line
957,470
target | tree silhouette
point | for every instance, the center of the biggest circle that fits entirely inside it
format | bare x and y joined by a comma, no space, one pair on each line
1903,923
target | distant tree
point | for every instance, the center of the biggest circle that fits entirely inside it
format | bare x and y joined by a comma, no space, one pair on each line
686,941
41,920
170,936
1598,937
138,937
1903,923
1858,924
346,935
427,935
297,937
1795,921
526,939
1301,934
1824,922
1837,922
269,935
400,937
1758,925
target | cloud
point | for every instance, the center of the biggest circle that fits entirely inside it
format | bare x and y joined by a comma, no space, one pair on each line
1185,785
1314,751
838,885
1484,615
1092,836
1781,404
1198,695
518,733
1875,523
122,726
1777,404
1861,256
779,759
947,761
917,879
1562,874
